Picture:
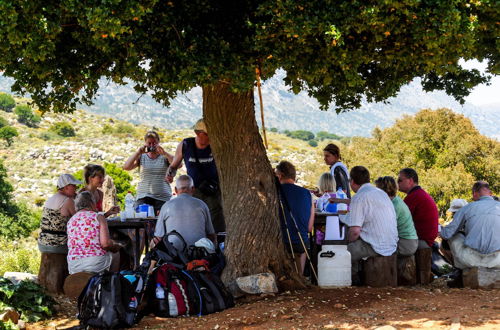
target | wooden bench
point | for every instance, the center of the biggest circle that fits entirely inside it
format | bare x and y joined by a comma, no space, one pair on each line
480,277
423,261
380,271
75,283
53,272
407,270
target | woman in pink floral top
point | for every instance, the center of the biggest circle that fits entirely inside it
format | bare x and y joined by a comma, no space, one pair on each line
89,243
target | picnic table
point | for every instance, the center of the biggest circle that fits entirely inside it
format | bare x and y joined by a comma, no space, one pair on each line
137,224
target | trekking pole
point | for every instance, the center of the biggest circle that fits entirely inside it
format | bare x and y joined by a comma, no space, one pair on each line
289,238
298,234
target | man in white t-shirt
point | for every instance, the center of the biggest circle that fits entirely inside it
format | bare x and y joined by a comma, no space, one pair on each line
372,221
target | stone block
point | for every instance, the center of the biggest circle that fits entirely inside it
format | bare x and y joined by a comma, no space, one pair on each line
16,277
256,284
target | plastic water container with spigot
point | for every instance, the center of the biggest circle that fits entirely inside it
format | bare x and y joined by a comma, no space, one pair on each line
334,261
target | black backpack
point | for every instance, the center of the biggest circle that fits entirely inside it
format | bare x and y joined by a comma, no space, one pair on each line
107,301
207,293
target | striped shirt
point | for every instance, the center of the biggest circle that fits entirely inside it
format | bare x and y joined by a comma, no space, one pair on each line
152,182
372,210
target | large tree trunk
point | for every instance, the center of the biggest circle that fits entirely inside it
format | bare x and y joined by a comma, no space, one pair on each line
254,242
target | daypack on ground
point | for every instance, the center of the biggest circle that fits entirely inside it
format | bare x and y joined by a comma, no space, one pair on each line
105,302
173,290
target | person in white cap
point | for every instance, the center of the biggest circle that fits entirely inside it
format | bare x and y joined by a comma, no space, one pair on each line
58,209
456,205
200,165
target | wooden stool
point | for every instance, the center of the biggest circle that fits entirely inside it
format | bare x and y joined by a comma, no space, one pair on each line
53,271
75,283
423,261
407,270
480,277
380,271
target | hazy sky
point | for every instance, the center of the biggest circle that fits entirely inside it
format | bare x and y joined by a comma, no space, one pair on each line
482,94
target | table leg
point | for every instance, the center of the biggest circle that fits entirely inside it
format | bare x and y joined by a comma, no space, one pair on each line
137,247
146,237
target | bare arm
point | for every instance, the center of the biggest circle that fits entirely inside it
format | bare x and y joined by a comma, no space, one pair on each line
354,233
133,161
106,242
311,219
165,154
68,208
175,164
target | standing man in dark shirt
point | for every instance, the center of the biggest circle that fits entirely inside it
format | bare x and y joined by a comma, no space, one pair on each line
200,164
422,207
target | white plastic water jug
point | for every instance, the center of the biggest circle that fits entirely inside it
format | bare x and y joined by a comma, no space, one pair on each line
334,266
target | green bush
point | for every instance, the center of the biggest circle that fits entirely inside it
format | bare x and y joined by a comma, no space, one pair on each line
21,224
313,143
26,116
124,128
322,135
28,298
301,135
7,102
63,129
47,136
8,133
107,129
6,205
19,256
3,122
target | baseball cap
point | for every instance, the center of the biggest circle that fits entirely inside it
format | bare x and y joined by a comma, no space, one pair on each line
200,126
457,204
66,179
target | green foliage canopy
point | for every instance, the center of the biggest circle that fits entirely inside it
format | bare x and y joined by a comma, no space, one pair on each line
7,102
447,151
8,133
3,122
337,51
16,220
63,129
26,116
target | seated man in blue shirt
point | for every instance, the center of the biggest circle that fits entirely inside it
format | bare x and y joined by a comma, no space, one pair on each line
299,201
474,233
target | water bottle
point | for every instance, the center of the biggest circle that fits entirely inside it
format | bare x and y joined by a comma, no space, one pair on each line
129,205
172,305
133,304
341,206
160,293
161,305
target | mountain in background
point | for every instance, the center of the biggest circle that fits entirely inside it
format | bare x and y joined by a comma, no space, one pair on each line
286,111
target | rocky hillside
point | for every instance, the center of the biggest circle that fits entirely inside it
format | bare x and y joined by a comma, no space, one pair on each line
38,156
287,111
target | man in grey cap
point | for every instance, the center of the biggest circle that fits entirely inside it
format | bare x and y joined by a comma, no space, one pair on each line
200,164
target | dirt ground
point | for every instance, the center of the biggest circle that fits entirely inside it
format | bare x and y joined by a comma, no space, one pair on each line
434,307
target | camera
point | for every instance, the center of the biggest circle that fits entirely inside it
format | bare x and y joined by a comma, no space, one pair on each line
150,149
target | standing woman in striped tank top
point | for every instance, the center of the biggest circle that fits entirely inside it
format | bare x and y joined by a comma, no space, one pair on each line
153,162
